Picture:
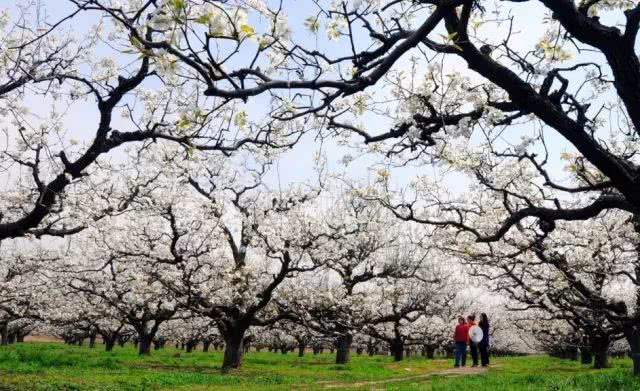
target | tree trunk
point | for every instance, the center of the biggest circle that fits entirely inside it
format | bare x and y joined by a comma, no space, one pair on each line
205,345
144,345
158,343
20,337
632,335
431,350
600,348
585,355
371,347
635,356
109,342
601,360
397,349
572,354
92,340
301,348
233,349
343,348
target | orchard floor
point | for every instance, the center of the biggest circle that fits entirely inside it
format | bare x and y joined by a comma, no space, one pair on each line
43,366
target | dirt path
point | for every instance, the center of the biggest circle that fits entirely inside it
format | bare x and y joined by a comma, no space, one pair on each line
446,372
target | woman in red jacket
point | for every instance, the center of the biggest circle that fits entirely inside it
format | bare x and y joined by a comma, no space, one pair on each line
461,337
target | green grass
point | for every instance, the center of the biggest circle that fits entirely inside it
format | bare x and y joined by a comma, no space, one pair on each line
56,367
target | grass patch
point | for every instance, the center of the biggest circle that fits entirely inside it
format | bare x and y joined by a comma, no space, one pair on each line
58,367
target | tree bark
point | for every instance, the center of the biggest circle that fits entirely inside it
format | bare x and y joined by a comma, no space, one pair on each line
301,348
371,350
397,349
92,340
109,342
343,348
233,349
4,333
430,349
585,355
144,345
572,354
205,345
600,348
632,335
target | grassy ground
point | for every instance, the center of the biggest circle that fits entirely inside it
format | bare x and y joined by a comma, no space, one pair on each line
54,366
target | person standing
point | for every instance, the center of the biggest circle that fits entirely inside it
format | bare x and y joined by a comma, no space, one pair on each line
460,337
473,345
484,344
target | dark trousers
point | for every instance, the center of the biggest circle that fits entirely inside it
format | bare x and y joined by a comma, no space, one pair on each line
461,354
484,354
474,353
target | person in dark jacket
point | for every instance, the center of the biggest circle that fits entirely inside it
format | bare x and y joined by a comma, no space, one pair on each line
484,344
460,338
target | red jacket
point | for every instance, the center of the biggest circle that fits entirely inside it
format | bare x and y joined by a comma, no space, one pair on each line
462,333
